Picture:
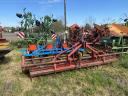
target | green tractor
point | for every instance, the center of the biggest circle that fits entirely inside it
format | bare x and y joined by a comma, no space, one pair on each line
115,44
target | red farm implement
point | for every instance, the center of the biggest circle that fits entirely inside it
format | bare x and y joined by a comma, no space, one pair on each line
63,61
85,49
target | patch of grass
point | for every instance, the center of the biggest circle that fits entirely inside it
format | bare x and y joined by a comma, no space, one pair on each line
18,44
97,78
10,88
88,91
124,61
109,80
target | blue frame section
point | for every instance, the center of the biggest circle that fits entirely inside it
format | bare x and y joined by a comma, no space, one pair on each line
41,51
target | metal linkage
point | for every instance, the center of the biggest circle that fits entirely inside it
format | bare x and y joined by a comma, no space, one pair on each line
63,62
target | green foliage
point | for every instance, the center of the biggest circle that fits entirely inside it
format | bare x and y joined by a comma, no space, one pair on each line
19,44
124,61
98,79
58,26
27,22
30,26
126,22
10,88
45,28
87,26
107,80
88,91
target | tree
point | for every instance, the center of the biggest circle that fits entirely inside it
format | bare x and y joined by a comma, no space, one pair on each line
90,20
125,19
87,26
27,21
58,26
30,25
44,27
13,29
109,20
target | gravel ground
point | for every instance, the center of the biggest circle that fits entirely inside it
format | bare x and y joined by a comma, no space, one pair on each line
10,36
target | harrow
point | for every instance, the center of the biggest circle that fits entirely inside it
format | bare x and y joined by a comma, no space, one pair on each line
66,61
85,51
85,47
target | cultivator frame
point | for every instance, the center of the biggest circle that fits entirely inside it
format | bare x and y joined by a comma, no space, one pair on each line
100,48
63,61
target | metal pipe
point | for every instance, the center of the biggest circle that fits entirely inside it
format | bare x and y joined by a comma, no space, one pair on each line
65,15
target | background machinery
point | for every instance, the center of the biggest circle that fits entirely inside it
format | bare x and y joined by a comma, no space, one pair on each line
4,45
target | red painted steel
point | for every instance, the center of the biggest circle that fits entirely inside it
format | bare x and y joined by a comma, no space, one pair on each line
53,64
65,67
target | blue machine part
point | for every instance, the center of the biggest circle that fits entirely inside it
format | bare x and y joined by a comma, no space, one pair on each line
58,41
41,51
82,49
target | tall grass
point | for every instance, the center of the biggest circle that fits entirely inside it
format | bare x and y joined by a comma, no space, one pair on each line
108,80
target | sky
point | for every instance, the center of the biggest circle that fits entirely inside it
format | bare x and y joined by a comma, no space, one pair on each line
78,11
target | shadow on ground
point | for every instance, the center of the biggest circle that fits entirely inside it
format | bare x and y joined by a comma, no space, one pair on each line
5,60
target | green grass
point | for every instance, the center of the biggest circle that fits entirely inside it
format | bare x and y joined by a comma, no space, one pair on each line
108,80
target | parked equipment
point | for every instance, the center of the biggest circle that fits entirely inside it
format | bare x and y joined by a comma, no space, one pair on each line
80,54
4,45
